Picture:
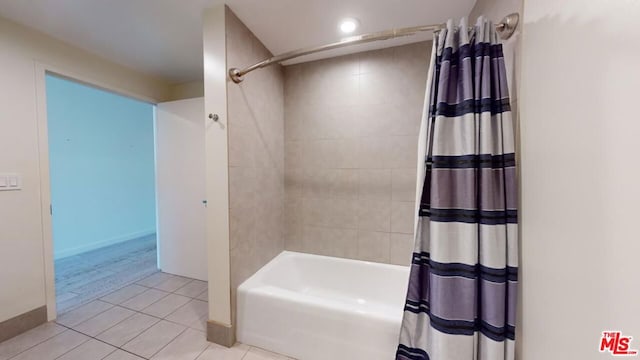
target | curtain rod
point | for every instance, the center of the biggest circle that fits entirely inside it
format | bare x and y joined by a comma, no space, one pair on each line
505,29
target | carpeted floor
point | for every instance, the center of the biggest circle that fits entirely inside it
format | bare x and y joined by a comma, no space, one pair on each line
88,276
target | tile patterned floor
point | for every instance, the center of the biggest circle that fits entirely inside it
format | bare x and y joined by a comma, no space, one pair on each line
83,278
160,317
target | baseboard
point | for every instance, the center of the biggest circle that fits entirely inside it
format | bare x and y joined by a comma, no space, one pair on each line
22,323
100,244
220,334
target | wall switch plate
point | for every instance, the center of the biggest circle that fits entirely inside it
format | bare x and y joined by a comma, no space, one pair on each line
10,181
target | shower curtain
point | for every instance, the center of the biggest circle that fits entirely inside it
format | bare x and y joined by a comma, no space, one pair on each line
461,300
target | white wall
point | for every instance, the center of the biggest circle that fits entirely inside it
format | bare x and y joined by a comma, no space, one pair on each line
180,184
580,176
217,165
22,280
188,90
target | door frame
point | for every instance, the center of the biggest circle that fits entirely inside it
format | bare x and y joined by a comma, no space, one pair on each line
41,70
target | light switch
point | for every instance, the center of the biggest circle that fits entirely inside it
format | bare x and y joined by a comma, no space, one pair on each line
10,181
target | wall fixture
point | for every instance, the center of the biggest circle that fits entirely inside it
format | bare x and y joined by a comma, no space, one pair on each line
349,25
505,28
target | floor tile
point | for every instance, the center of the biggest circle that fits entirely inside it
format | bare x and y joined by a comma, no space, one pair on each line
113,323
153,339
29,339
103,321
128,329
124,294
217,352
85,312
259,354
191,314
99,272
204,296
173,284
144,299
122,355
187,346
192,289
91,350
166,305
54,347
154,279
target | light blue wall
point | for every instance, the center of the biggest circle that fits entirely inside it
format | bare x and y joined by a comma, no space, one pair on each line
101,154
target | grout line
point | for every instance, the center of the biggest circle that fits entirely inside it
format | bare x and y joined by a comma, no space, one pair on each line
128,317
148,306
104,342
203,350
101,296
36,344
246,353
135,312
125,300
167,344
56,320
186,327
140,311
109,354
75,347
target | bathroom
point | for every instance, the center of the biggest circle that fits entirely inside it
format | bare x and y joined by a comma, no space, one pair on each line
340,216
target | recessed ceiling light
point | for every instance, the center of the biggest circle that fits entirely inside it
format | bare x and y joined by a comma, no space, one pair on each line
348,25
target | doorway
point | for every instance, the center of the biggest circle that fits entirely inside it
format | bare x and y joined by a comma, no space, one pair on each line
103,190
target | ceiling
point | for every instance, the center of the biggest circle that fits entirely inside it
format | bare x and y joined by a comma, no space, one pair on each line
164,37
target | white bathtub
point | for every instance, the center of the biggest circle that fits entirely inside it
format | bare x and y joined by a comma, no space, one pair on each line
314,307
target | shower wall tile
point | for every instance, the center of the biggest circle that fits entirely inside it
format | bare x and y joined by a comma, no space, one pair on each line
317,182
243,183
293,237
330,241
402,217
374,184
403,184
294,155
295,118
376,89
404,152
241,227
374,152
330,154
294,181
333,213
374,215
401,248
242,140
293,209
378,62
330,183
350,139
256,157
373,246
344,183
381,120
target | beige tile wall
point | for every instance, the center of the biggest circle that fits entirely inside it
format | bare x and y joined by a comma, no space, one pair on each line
351,126
256,157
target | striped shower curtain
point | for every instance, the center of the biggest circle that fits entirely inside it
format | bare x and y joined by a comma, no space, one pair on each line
461,301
